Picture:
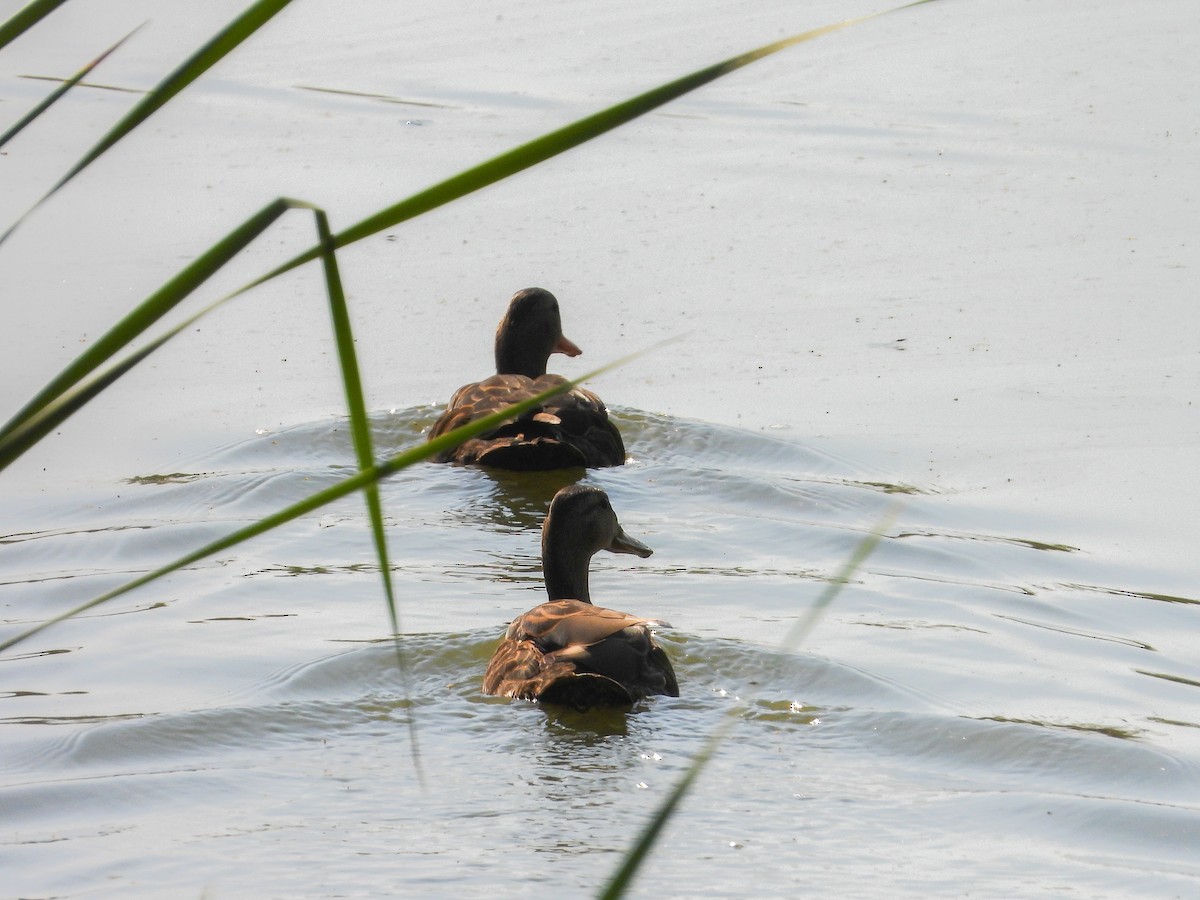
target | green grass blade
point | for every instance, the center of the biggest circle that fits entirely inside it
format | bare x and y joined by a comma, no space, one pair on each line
360,424
192,68
360,429
556,142
54,413
58,92
26,18
76,398
223,43
137,321
803,627
631,862
335,492
457,186
634,857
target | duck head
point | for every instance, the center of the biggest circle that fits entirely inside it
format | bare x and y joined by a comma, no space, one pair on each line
580,523
529,332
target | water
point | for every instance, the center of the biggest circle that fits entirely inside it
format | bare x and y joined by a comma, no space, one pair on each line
944,259
979,713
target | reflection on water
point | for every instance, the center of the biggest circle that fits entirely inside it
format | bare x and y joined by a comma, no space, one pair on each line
572,729
520,499
255,717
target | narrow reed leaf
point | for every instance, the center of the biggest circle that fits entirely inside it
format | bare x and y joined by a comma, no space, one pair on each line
36,426
360,429
634,857
192,68
552,144
19,436
347,486
636,854
803,627
457,186
137,321
28,16
360,423
58,92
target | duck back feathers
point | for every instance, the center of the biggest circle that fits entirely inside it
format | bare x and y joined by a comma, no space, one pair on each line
576,654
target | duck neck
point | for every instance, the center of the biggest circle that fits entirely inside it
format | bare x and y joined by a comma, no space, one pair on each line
565,568
512,359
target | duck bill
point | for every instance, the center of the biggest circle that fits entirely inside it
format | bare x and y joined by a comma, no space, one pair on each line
566,346
623,543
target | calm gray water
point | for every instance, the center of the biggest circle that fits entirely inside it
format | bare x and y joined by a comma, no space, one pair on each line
979,713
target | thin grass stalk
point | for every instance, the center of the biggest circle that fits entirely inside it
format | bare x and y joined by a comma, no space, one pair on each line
35,419
632,861
360,424
303,507
315,501
360,429
69,392
623,878
556,142
28,16
66,405
464,183
62,89
223,43
63,406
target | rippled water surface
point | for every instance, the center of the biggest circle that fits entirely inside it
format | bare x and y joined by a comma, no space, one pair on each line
940,266
982,711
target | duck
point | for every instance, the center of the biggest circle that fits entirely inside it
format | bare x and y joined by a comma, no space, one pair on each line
569,430
568,651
